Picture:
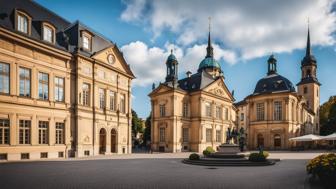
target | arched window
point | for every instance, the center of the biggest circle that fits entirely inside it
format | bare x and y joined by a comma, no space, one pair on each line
277,140
22,22
48,32
308,73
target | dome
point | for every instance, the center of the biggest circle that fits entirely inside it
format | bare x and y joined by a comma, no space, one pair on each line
209,62
273,83
171,57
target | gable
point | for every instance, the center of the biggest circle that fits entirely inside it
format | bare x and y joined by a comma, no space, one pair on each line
111,56
219,88
160,89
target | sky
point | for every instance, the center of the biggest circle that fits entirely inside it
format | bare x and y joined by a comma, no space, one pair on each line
244,34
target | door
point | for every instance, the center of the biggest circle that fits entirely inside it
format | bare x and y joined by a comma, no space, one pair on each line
113,141
260,140
102,141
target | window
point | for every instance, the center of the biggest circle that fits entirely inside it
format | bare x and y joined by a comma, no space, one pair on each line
25,82
277,110
4,131
59,133
162,110
185,109
60,154
86,152
112,100
305,90
260,111
226,113
101,98
43,132
122,104
43,86
3,156
218,112
86,94
59,89
24,155
86,42
208,135
22,23
162,134
277,140
185,135
48,34
242,117
44,155
24,133
4,78
208,109
218,136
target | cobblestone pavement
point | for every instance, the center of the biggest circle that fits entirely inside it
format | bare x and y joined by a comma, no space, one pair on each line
154,171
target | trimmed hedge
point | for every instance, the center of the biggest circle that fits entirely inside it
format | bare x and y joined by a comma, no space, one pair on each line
194,156
258,157
208,151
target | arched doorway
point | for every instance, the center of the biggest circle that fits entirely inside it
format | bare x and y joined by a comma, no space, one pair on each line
113,141
260,140
102,141
277,141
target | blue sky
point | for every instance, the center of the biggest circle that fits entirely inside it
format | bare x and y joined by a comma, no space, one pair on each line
244,35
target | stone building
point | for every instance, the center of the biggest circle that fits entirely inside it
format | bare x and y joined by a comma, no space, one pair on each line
64,88
275,112
194,112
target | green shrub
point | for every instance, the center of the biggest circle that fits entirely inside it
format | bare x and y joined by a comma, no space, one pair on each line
266,154
257,157
208,151
194,156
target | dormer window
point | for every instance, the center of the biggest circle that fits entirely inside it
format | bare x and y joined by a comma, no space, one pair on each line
48,33
86,41
22,22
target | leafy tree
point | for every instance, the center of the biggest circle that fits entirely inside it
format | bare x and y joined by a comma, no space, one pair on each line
136,123
147,133
328,116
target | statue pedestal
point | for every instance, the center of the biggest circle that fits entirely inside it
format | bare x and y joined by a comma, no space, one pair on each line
228,149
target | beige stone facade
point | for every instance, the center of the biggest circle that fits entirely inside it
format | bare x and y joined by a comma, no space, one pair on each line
57,100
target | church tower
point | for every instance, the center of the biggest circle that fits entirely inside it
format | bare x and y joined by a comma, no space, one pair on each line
309,86
172,70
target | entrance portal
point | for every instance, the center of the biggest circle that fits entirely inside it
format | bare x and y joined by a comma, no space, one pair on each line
113,141
260,140
102,141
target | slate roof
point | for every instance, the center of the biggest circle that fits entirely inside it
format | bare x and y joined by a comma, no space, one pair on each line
196,81
273,83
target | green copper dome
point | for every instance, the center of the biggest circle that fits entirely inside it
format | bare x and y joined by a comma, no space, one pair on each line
209,62
171,57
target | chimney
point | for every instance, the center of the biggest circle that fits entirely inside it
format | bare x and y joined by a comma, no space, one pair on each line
188,74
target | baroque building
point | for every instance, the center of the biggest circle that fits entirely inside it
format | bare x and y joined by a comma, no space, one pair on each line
65,90
275,112
194,112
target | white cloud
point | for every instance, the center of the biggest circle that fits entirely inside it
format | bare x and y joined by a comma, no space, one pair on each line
249,28
148,63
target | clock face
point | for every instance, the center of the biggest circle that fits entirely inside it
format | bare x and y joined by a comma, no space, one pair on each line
111,59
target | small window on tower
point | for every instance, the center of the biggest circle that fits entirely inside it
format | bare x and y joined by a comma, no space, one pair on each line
308,73
305,90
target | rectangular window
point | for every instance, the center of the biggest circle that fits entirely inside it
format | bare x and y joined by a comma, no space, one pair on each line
24,82
260,111
112,100
43,86
162,110
208,135
226,113
59,89
43,132
185,109
86,42
101,98
86,94
185,135
22,23
208,109
242,117
59,133
162,134
47,34
86,152
122,104
44,155
277,110
218,136
25,128
24,155
4,78
60,154
218,112
4,131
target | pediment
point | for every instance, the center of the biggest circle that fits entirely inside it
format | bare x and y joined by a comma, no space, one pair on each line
219,88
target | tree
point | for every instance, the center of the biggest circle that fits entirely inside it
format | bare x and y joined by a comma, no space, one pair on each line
147,133
328,116
136,124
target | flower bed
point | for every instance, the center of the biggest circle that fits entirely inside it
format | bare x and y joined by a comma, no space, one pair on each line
324,166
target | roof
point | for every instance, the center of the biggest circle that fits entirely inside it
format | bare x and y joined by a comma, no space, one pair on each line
196,81
273,83
209,62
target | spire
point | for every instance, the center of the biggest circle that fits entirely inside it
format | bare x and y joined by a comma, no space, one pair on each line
308,49
209,48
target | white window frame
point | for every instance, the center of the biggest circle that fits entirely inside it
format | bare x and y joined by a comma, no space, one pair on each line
59,89
208,135
86,94
102,98
43,85
162,134
4,131
25,81
24,131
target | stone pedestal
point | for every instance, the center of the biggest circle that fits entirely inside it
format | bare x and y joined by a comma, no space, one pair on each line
228,149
